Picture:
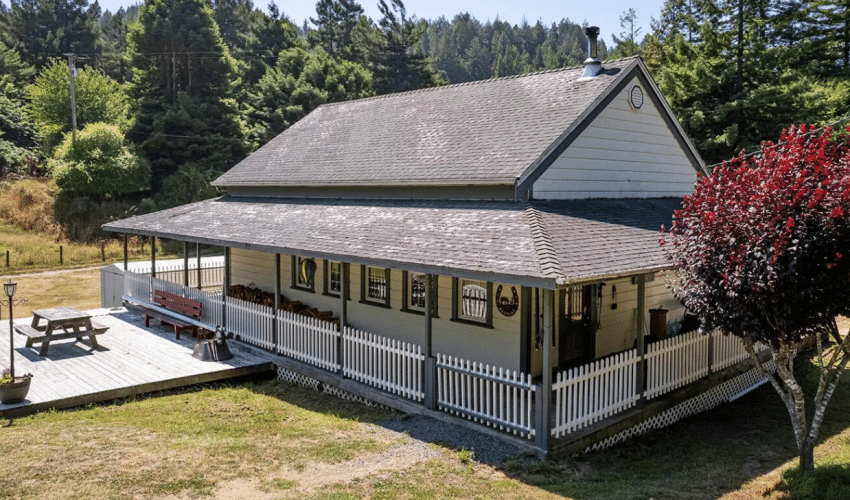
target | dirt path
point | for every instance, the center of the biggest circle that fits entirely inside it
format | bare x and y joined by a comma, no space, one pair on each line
55,272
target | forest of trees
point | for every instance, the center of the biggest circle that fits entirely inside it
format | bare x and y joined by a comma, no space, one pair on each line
193,86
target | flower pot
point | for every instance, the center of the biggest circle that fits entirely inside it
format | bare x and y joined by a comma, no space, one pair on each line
16,391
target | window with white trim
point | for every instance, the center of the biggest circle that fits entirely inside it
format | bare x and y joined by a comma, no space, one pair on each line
416,288
334,277
472,300
377,284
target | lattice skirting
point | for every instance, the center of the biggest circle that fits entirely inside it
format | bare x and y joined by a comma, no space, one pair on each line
295,378
705,401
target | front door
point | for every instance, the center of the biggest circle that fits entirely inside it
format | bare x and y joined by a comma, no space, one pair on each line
575,323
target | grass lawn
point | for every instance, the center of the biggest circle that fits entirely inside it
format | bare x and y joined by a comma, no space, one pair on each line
272,440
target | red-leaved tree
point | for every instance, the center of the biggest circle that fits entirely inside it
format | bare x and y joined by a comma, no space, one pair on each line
762,249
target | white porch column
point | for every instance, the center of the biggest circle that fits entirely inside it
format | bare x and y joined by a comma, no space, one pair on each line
198,257
225,286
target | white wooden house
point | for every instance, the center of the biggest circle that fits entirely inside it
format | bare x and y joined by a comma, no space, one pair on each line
471,240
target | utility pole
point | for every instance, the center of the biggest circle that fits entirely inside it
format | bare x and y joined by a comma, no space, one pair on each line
72,72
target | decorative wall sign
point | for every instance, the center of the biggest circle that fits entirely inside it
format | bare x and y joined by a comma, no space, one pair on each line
508,307
636,97
307,270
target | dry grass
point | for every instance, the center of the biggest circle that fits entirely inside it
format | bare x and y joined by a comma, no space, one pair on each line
75,288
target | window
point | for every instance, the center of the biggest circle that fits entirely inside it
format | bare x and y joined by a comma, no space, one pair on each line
473,301
333,278
375,285
416,291
303,273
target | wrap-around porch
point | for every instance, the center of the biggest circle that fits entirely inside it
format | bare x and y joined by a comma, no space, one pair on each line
553,409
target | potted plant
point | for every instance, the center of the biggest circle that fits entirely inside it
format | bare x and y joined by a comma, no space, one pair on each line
13,389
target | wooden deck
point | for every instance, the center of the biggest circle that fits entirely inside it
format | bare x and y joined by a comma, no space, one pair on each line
130,360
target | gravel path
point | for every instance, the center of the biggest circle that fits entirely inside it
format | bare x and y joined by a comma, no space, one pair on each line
486,449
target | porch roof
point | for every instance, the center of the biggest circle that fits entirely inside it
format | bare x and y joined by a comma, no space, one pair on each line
541,244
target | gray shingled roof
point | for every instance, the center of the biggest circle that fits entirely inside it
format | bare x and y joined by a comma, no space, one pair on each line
480,132
542,244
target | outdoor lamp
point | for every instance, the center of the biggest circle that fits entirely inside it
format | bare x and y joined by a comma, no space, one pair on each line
9,287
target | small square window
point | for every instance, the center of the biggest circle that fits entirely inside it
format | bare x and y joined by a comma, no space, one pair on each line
473,300
377,284
335,278
416,287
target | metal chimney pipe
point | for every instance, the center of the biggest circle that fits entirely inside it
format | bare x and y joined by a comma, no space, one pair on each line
592,66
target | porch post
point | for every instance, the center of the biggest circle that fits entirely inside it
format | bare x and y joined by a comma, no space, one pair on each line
275,325
541,432
153,256
185,264
343,314
125,251
225,287
430,361
198,257
641,321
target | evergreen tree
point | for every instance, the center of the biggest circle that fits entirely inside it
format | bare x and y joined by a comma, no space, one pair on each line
334,21
16,131
297,84
44,29
185,121
627,44
830,32
391,50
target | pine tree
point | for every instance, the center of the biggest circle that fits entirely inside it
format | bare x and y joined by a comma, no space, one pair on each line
185,121
45,29
391,50
334,21
298,83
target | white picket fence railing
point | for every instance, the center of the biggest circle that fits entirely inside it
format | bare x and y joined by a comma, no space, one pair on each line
388,364
494,396
675,362
137,287
212,273
210,305
589,393
309,340
252,323
728,350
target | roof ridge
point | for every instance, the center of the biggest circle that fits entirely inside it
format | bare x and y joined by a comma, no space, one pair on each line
474,82
547,257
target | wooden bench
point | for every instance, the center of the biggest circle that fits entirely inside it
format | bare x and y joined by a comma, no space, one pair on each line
182,305
40,336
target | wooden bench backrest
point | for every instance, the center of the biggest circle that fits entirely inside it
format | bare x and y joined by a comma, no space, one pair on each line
183,305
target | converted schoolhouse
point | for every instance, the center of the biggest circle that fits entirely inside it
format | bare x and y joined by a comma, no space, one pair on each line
487,250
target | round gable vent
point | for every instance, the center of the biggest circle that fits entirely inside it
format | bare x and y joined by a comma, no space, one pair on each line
636,97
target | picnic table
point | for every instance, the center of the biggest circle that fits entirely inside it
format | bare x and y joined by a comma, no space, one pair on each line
60,323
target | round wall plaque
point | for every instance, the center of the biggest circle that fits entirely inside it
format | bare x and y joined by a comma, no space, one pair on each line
507,306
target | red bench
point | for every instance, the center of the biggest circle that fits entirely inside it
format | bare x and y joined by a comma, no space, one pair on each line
179,304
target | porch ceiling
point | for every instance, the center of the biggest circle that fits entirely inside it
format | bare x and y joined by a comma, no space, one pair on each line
537,244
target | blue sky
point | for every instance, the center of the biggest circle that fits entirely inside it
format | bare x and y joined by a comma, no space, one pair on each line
602,13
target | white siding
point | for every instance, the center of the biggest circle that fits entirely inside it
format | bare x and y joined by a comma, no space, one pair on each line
499,346
623,153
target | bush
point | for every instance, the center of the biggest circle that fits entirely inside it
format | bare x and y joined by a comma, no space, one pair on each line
28,205
98,164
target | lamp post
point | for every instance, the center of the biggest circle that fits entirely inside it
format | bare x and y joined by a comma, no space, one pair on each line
10,287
